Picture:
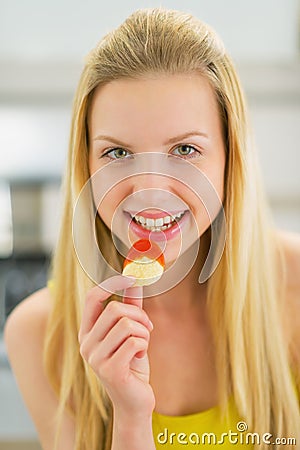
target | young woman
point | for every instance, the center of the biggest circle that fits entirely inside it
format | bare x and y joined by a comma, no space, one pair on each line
214,362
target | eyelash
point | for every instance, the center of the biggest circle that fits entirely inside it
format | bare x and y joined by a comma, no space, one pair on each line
106,154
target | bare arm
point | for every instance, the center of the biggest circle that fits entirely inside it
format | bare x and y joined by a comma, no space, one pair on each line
24,336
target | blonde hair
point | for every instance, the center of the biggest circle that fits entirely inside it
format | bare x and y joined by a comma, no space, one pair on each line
244,300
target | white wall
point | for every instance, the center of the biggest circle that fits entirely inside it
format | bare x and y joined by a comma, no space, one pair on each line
66,29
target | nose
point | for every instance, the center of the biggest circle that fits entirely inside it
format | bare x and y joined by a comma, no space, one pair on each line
153,189
152,180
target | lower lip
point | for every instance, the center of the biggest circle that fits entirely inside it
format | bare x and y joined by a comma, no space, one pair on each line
158,236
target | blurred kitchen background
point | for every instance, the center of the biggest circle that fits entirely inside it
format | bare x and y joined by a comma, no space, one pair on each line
42,50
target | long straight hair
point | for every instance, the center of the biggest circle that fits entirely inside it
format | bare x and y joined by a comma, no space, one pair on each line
245,302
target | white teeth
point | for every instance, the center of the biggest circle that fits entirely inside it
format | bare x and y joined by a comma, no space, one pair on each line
161,224
150,222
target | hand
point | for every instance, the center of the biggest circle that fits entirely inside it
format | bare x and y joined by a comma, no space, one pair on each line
114,342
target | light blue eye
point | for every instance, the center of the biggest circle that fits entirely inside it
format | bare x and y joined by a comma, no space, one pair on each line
118,152
185,151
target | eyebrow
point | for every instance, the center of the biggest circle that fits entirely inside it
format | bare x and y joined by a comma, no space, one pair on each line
173,140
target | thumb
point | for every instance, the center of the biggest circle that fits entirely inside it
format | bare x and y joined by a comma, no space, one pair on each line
133,296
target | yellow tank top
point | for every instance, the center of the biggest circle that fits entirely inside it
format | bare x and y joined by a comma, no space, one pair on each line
205,429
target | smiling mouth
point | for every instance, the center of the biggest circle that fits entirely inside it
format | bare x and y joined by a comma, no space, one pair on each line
161,224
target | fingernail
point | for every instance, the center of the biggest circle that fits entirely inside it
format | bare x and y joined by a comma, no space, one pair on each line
116,283
141,355
151,325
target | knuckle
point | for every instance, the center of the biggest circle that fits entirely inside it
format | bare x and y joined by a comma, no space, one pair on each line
133,343
126,323
113,307
94,360
90,360
83,350
133,328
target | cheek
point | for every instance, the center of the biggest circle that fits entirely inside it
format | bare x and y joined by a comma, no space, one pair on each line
218,184
215,173
109,203
207,203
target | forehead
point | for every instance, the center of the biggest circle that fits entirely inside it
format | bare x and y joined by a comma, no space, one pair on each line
161,102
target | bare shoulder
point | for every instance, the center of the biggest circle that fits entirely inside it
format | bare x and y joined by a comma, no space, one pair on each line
25,328
290,242
24,339
28,319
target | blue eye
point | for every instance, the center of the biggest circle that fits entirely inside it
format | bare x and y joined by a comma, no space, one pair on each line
187,151
118,152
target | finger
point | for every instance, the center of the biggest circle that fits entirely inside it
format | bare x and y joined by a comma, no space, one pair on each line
111,315
124,329
133,296
131,347
96,352
96,296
